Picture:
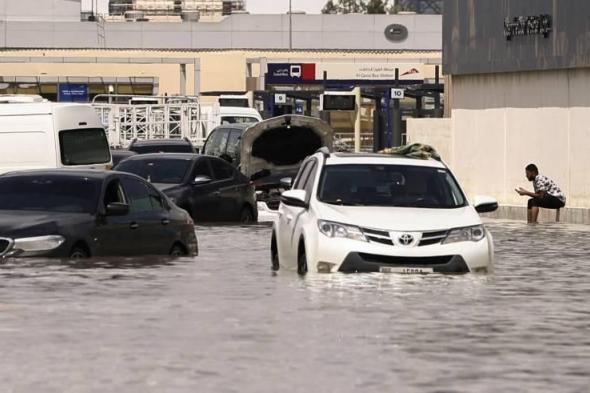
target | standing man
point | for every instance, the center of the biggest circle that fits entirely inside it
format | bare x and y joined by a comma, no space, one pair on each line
547,194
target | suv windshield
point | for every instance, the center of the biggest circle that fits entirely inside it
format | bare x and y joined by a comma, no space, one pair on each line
49,193
390,186
84,147
166,171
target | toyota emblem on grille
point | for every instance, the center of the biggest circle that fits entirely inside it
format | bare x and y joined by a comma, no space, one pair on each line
406,239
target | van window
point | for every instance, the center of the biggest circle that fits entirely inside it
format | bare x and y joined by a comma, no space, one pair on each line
84,147
216,144
238,119
233,146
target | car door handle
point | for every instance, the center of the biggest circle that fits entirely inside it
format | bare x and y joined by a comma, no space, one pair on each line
165,221
134,225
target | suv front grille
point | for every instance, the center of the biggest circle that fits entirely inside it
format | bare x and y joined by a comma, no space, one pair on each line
430,238
4,246
378,236
406,261
384,237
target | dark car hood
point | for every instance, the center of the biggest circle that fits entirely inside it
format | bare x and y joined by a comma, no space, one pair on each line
31,224
280,144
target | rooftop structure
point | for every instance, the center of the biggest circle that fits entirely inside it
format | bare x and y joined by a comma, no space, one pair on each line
172,10
421,6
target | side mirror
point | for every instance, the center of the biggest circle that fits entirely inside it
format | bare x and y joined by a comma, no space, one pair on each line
117,209
260,174
287,183
295,198
483,204
201,180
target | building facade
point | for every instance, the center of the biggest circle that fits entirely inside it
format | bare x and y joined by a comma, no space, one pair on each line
519,75
237,54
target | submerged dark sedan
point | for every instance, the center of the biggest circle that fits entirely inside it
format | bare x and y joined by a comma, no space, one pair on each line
209,188
79,214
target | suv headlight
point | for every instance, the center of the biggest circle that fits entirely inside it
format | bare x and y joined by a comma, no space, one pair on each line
334,229
38,244
468,234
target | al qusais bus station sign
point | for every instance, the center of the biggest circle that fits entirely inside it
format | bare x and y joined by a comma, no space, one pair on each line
355,73
528,26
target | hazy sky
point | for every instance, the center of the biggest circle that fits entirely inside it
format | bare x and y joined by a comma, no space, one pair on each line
254,6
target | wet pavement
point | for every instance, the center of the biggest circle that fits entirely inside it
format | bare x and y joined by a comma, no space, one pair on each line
224,323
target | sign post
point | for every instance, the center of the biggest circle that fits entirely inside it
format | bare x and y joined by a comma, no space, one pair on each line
357,120
398,94
397,113
280,99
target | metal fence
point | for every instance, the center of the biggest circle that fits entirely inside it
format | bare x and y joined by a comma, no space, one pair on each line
126,122
345,141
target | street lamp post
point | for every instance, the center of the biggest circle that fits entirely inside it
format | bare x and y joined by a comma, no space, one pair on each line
290,25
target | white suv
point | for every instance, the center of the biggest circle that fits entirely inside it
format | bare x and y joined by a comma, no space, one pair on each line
380,213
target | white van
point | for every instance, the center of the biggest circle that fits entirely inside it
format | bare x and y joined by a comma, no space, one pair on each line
40,134
235,115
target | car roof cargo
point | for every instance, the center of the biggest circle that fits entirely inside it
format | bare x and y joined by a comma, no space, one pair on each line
20,98
282,143
42,108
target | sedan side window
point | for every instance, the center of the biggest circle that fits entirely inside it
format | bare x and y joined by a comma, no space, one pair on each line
156,200
222,170
138,195
114,193
202,169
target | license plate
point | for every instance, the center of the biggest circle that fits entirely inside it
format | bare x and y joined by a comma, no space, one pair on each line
406,270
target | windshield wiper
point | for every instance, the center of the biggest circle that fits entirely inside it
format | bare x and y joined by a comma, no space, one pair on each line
342,203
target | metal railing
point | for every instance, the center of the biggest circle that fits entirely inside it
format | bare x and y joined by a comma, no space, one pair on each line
345,142
172,120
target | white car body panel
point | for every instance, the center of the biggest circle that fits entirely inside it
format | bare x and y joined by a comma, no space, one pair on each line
297,225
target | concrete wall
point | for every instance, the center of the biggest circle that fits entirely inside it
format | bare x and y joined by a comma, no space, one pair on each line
437,133
502,122
310,32
474,40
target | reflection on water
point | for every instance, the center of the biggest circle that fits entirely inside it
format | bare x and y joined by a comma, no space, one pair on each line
224,323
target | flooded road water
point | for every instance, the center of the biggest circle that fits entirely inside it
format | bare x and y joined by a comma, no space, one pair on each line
224,323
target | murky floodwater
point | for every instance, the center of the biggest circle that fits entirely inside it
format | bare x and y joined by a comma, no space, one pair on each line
224,323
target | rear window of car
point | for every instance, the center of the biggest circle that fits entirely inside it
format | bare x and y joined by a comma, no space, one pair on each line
163,148
164,170
84,147
49,193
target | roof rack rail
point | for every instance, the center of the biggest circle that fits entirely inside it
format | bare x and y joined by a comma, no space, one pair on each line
324,150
